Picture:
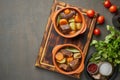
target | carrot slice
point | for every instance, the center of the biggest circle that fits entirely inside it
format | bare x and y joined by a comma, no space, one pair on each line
66,11
78,19
59,56
63,21
72,32
69,59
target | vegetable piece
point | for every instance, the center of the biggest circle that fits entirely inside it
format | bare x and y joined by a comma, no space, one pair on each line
74,50
63,22
72,32
107,3
73,26
77,55
59,56
107,49
71,20
100,20
78,26
58,20
90,13
97,31
78,19
62,61
66,11
113,9
69,59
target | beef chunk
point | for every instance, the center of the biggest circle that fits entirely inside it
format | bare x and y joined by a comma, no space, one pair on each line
66,53
65,28
65,67
67,16
74,64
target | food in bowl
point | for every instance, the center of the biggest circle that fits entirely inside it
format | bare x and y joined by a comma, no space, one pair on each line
92,68
68,59
69,22
100,70
106,69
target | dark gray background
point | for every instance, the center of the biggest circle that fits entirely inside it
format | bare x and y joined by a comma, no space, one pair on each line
22,24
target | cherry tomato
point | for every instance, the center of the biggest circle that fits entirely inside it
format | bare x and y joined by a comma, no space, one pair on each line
90,13
97,31
113,9
107,3
100,20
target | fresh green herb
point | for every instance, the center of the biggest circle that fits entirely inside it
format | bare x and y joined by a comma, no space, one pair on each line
74,50
58,20
108,49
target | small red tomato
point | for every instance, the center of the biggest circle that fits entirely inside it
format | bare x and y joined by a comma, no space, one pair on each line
90,13
107,3
97,31
100,20
113,8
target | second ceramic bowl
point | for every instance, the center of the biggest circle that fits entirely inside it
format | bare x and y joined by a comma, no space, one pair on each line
80,67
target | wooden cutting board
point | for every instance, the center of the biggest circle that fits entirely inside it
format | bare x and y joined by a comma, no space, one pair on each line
51,39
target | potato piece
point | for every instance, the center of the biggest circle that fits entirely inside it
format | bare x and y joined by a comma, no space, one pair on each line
71,20
73,26
77,55
78,26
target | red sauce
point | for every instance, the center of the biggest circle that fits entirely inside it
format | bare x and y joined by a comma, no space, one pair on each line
92,68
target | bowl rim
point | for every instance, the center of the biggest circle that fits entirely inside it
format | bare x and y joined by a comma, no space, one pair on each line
95,71
105,62
82,30
81,65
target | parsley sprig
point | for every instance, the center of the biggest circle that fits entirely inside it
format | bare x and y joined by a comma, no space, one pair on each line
107,49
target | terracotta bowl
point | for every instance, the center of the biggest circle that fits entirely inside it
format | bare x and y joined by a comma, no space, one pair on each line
80,67
54,20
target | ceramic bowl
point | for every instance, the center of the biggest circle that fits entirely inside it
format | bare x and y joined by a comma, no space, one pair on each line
54,20
79,69
92,68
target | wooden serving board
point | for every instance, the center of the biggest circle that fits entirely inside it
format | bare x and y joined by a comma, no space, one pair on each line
51,39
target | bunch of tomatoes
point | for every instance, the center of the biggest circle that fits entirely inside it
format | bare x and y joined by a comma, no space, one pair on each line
100,20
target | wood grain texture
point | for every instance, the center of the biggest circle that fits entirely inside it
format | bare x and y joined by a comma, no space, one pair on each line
51,39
